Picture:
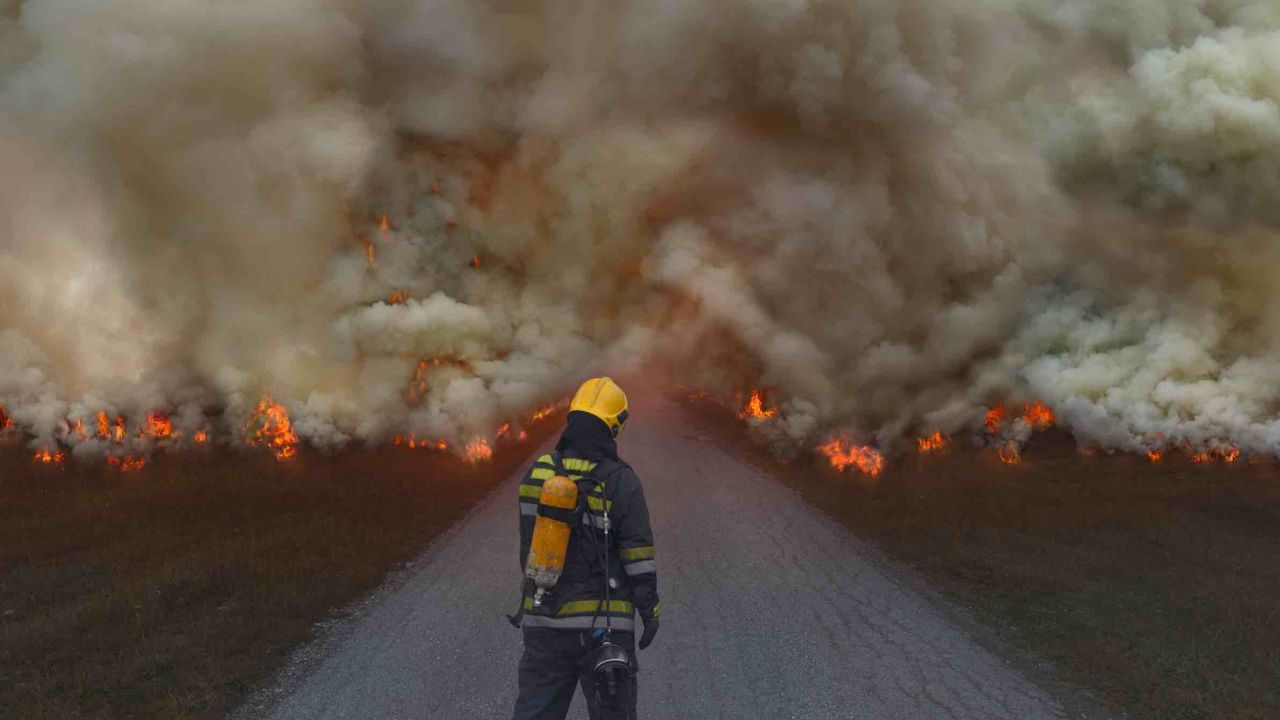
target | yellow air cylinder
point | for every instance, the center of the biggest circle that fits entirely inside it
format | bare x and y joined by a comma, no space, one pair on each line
550,534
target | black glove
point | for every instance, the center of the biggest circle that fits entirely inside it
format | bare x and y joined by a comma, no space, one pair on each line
650,629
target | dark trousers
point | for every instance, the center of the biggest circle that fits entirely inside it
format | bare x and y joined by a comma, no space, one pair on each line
554,661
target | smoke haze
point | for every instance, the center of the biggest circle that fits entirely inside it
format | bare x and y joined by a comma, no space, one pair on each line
893,214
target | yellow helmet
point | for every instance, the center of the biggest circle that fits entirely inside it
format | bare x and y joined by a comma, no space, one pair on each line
603,398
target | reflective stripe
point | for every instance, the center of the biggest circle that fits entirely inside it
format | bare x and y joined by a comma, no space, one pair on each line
657,607
578,607
530,491
636,553
528,508
548,460
578,464
598,504
541,473
642,567
580,622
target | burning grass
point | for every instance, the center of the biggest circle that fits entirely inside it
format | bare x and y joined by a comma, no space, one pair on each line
1150,579
173,589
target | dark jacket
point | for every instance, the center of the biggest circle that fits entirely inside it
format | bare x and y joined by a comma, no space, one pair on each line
606,486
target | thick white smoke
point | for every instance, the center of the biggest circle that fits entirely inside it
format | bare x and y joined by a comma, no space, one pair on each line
892,213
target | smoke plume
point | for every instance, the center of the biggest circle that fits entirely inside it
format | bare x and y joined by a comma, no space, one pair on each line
428,217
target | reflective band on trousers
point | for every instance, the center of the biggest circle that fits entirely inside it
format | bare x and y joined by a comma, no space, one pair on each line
579,622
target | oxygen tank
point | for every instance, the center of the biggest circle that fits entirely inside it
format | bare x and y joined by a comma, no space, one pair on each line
551,534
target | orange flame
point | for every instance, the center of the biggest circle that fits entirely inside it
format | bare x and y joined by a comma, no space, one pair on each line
418,386
477,450
1155,455
109,431
74,427
274,429
475,261
6,422
993,419
1038,415
542,413
523,436
370,254
201,437
755,408
865,458
936,441
1229,454
397,298
1010,453
49,457
413,442
383,225
158,426
502,431
128,463
1199,456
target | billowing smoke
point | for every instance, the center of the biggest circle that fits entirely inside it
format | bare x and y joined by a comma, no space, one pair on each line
427,217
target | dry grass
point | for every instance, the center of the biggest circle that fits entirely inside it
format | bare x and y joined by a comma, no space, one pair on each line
1157,586
173,591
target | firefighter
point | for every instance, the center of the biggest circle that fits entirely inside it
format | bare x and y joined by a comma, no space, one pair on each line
608,575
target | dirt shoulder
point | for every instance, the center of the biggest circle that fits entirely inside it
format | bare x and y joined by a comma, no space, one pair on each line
1154,586
174,591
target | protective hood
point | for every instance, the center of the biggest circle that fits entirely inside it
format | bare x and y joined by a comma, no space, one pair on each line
587,436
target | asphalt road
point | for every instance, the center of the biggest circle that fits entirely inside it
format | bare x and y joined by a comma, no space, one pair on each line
769,611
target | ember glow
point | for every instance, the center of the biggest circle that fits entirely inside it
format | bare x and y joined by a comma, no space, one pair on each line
755,408
477,450
270,427
1009,453
413,442
418,386
127,463
6,422
936,441
1155,455
397,298
842,456
200,437
49,457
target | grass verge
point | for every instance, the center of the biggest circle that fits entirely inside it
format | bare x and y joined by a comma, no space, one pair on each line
174,591
1155,585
